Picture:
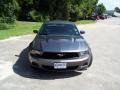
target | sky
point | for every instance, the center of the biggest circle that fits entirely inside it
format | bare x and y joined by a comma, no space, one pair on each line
110,4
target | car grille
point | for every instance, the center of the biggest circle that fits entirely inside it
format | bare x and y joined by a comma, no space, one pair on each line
56,55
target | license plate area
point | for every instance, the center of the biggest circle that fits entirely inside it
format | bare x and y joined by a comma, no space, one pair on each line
60,65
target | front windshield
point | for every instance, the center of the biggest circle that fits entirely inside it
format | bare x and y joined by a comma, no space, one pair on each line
60,29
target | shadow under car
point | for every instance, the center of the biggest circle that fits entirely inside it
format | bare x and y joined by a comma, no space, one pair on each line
22,68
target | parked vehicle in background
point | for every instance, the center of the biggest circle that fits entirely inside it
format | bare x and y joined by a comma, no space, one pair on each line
105,16
102,17
93,17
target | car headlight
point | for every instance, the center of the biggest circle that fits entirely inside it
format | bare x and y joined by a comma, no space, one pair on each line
36,52
84,53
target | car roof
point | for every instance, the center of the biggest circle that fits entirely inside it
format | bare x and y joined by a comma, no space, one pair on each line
58,22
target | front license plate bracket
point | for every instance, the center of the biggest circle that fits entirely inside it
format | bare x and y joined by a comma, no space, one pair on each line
60,65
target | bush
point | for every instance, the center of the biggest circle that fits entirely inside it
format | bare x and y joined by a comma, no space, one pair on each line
8,9
5,26
36,16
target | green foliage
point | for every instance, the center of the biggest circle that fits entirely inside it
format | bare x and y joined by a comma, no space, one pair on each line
82,9
36,16
7,11
5,26
42,10
25,7
117,9
100,9
59,9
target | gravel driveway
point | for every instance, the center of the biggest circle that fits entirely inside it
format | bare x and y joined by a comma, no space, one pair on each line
104,74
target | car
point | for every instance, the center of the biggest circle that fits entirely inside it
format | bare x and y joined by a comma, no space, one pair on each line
102,17
58,46
93,17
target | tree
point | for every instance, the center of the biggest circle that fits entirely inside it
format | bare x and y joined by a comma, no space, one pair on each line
100,9
25,7
42,7
82,9
8,9
59,9
41,10
117,9
55,9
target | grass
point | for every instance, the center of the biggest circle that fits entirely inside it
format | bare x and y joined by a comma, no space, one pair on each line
85,22
24,28
20,28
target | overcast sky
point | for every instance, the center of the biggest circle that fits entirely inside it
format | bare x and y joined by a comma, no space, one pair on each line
110,4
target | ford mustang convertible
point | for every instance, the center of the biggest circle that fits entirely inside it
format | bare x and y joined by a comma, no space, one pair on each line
59,45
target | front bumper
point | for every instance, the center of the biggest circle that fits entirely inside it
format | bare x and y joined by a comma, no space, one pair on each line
72,64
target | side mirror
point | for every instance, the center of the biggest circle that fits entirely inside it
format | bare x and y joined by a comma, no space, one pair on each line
82,32
35,31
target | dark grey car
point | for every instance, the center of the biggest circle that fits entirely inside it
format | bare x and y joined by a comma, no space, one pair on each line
59,45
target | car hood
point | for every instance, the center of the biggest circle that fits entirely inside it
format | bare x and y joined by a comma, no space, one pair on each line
60,44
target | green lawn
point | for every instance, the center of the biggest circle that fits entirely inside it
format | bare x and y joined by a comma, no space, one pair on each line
23,28
20,28
85,22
